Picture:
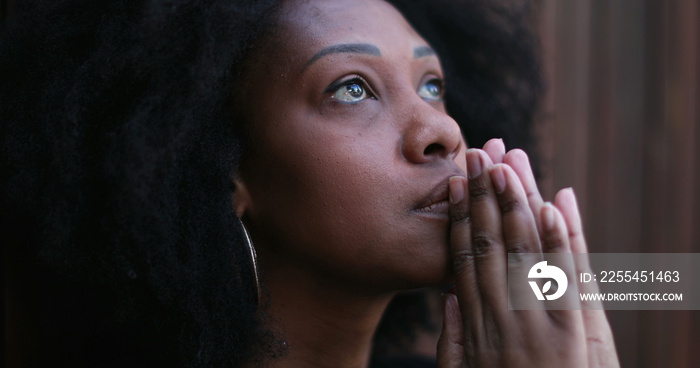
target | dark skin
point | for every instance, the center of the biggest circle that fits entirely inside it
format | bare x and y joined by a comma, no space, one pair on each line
351,192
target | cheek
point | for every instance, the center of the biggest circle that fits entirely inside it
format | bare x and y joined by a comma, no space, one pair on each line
337,182
345,202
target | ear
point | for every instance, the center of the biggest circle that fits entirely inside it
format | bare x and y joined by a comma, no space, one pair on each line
242,201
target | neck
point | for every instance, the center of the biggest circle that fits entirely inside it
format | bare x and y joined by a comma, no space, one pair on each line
323,323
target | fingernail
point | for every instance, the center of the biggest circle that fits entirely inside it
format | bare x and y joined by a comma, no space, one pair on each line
473,163
548,216
456,189
445,309
452,308
574,200
498,178
571,193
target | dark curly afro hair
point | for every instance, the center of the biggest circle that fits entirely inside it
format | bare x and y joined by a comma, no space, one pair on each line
118,145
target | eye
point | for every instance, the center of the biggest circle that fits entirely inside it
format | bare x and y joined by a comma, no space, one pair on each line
350,91
431,90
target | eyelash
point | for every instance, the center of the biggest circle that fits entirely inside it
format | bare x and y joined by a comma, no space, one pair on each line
336,86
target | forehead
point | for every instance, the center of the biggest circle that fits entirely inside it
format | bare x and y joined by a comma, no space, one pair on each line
310,25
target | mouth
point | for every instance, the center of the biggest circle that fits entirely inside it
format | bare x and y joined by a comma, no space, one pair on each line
436,202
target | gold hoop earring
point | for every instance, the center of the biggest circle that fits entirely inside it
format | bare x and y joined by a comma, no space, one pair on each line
254,260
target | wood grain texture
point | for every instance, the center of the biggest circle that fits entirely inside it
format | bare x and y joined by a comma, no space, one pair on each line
621,125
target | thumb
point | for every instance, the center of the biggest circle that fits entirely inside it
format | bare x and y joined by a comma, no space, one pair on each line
450,349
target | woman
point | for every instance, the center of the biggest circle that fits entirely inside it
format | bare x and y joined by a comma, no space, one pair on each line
318,126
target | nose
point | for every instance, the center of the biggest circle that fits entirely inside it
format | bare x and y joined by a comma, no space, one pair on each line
430,135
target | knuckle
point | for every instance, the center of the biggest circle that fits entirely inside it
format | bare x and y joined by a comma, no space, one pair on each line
531,194
460,215
462,261
555,243
518,247
478,191
596,342
483,243
558,246
510,205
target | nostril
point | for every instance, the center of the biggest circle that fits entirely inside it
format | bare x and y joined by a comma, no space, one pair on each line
432,149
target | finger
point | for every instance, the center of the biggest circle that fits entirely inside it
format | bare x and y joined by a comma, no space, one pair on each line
563,307
463,261
557,251
518,160
555,233
451,347
599,338
486,234
519,229
565,201
496,150
521,239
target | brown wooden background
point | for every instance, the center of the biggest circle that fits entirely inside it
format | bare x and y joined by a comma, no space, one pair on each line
621,125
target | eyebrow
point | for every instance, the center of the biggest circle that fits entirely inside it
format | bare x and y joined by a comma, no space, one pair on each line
422,51
356,48
363,48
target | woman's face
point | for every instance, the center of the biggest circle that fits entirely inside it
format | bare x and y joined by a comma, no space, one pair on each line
351,148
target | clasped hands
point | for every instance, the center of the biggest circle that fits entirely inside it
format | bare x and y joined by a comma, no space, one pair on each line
498,210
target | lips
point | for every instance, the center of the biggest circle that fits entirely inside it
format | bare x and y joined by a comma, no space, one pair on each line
436,201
